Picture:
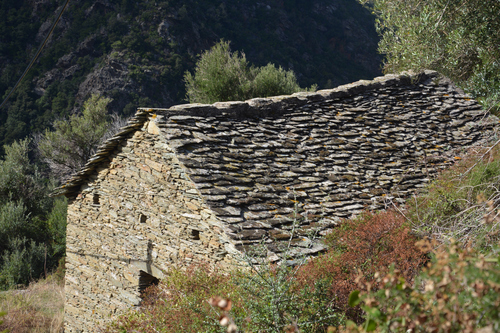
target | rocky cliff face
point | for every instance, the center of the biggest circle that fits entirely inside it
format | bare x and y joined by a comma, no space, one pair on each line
138,52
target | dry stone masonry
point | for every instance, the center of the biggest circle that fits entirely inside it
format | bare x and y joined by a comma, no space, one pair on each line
205,183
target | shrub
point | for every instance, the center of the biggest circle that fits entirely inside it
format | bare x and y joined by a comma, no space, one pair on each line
274,301
32,225
25,262
457,292
271,81
360,248
179,303
264,300
221,75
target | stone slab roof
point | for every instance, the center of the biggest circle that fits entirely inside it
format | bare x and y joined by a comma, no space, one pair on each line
266,163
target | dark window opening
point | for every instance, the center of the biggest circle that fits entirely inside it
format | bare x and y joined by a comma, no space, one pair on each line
195,234
143,218
96,199
146,280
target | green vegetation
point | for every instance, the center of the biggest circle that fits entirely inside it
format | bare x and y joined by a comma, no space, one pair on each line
456,292
269,298
1,321
373,275
140,59
71,144
32,225
265,300
457,38
461,203
221,75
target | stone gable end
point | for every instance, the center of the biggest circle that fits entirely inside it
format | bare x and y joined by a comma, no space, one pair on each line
205,183
139,213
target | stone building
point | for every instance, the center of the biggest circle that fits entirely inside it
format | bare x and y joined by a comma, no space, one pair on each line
204,183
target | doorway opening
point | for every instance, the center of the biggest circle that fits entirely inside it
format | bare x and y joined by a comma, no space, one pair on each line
146,280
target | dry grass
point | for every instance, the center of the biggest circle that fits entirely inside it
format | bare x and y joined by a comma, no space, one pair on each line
37,309
462,203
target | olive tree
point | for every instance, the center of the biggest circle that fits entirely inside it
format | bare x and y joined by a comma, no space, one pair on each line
73,141
458,38
222,75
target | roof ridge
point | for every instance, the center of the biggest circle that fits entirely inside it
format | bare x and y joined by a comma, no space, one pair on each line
256,107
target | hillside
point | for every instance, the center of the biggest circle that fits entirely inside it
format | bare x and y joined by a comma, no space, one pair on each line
137,52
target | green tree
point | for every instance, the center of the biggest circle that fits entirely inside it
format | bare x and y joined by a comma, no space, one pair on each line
221,75
74,141
457,38
32,225
271,81
21,180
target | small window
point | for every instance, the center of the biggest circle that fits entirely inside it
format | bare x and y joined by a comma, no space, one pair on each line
195,234
143,218
96,199
146,280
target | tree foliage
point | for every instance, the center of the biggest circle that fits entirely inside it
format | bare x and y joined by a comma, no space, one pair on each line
74,141
222,75
219,76
21,180
32,225
457,38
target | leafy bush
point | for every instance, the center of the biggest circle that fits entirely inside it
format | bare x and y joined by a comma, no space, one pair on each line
179,303
457,292
32,225
23,263
264,300
271,81
71,144
275,301
221,75
22,181
360,248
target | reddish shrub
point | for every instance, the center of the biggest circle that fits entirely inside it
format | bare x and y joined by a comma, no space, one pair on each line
357,250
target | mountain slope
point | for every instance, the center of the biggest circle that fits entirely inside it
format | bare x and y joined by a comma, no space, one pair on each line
137,52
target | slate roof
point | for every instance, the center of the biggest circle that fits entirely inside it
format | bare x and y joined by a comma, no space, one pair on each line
311,157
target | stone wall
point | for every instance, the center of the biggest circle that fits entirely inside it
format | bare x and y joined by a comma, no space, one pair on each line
135,215
203,182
